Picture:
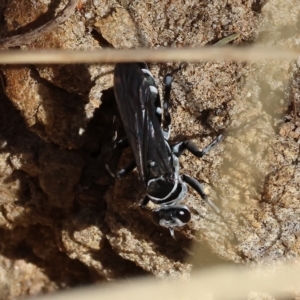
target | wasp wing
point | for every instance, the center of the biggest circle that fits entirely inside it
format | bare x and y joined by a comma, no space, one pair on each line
137,105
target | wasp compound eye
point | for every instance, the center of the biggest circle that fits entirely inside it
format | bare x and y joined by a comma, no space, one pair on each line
183,214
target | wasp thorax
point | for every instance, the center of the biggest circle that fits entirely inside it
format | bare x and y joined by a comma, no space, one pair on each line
159,188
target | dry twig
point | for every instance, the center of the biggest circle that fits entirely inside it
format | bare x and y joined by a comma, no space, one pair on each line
29,37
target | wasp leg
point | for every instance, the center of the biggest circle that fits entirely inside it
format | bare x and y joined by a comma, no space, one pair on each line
144,202
195,184
167,97
119,145
179,148
122,172
166,106
127,169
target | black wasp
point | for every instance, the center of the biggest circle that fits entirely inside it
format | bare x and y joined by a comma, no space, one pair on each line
147,128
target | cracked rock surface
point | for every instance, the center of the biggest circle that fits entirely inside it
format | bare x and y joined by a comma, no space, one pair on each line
65,222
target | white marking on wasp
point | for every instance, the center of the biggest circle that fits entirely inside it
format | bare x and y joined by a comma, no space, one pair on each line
158,110
152,163
115,136
110,171
166,132
153,89
81,131
146,71
168,80
115,133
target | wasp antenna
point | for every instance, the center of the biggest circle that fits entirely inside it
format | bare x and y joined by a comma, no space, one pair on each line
109,171
214,206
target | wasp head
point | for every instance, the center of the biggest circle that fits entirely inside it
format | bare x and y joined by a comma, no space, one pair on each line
172,216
